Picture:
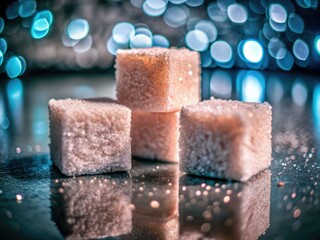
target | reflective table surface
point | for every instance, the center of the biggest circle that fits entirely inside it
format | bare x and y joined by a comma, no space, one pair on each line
154,200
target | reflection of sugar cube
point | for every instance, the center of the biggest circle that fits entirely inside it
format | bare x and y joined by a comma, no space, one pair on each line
225,139
155,200
224,210
157,79
155,135
92,207
144,227
90,136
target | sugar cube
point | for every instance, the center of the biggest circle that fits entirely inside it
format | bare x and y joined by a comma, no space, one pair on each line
90,136
225,139
90,207
224,210
157,79
155,135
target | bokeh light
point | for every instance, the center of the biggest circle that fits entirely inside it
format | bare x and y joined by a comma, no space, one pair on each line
23,65
300,50
237,13
197,40
273,47
284,59
83,45
278,17
78,29
3,45
206,59
251,85
295,23
27,8
208,28
275,89
221,84
144,30
122,32
15,66
68,42
137,3
216,14
299,93
160,41
317,44
44,14
12,11
175,16
308,3
15,88
154,8
1,24
141,41
4,121
316,108
39,34
221,52
256,6
15,94
41,24
252,51
112,46
177,1
265,34
278,13
194,3
1,57
269,32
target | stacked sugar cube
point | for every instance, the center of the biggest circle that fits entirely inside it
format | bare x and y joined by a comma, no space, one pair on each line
155,83
215,138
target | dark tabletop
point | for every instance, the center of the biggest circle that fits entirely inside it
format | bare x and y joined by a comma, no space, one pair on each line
155,200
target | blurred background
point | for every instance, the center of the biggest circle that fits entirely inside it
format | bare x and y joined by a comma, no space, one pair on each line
255,50
78,35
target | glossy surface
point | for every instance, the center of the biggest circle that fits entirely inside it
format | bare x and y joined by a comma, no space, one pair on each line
155,200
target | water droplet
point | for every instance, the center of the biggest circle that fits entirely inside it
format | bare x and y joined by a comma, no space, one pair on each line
226,199
18,197
154,204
